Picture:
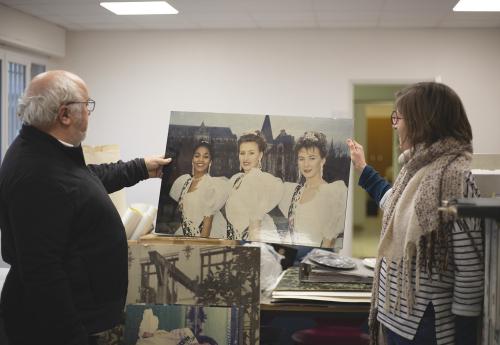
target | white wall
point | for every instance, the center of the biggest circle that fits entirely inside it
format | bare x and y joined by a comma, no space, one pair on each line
20,30
137,78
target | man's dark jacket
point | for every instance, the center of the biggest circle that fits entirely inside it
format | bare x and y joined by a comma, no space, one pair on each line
64,240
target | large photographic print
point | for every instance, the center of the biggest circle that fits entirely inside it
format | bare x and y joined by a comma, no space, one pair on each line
277,179
199,275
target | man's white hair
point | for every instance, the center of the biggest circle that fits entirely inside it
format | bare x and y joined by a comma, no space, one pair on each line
39,107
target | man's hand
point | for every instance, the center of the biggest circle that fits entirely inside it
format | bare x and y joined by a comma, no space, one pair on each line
155,165
357,155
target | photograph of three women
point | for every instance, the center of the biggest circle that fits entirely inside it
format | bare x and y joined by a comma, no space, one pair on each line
274,179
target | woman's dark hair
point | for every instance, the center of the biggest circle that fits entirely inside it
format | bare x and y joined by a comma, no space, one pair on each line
206,339
310,140
255,137
205,144
432,111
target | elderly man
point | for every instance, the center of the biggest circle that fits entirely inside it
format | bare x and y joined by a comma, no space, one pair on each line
61,234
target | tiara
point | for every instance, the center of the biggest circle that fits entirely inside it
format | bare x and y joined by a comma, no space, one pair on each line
254,132
310,136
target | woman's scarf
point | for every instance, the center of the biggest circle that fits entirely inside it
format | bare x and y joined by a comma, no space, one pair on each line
430,174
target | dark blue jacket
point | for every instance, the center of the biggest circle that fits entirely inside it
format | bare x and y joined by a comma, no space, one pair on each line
373,183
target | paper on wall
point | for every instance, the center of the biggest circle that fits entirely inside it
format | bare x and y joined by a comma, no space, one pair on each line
3,275
130,220
488,182
146,223
107,154
143,208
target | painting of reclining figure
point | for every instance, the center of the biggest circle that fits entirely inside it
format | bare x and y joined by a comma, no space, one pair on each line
276,179
173,324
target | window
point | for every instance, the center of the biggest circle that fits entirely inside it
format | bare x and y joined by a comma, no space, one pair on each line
36,69
15,69
17,84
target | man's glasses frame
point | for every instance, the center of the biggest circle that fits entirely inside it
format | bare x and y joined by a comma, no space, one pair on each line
90,103
395,118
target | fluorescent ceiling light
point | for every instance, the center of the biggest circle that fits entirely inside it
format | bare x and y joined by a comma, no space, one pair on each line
139,7
477,6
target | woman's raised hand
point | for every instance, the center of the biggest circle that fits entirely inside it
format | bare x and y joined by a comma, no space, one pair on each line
357,155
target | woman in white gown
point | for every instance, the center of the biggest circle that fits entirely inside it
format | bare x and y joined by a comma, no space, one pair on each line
253,194
200,197
149,334
315,208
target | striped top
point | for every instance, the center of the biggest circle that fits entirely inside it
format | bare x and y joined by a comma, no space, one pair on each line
459,290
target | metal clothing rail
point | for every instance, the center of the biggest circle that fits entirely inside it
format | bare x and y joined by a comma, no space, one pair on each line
489,210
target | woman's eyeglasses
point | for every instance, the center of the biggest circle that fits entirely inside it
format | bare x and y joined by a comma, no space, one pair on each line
395,118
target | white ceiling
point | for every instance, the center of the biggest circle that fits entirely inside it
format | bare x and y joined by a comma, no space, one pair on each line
256,14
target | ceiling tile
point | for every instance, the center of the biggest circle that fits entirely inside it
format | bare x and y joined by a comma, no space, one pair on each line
201,6
278,5
285,19
424,5
63,9
414,19
287,24
221,21
227,14
347,16
100,19
348,5
163,22
471,20
111,26
14,3
283,16
351,24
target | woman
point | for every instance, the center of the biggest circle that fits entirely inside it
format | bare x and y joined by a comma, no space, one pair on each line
149,334
431,264
315,208
254,193
200,197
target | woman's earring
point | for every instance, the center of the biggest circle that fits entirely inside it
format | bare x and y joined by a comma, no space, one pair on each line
260,164
322,170
192,169
209,166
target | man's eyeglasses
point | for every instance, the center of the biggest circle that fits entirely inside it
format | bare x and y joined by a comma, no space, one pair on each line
90,103
395,118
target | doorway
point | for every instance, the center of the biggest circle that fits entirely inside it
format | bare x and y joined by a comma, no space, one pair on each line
373,104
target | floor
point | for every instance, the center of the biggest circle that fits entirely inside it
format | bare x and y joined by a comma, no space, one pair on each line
365,238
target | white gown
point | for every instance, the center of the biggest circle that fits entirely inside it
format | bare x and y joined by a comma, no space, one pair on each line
321,217
149,324
251,198
182,336
207,200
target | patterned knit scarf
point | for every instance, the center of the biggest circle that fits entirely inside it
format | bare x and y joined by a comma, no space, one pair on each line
439,169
